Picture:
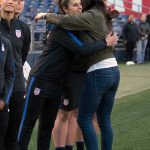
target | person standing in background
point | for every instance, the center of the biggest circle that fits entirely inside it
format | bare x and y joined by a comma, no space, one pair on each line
130,36
19,8
102,74
144,30
147,57
19,36
7,77
46,80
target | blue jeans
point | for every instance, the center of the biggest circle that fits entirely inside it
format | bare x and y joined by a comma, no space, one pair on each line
98,96
141,48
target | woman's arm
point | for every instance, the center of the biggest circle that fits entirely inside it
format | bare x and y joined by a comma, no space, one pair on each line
9,74
73,44
84,21
26,42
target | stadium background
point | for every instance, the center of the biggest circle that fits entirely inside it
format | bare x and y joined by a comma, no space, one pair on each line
125,7
130,116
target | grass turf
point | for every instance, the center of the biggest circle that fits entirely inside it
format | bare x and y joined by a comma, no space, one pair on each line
131,123
131,114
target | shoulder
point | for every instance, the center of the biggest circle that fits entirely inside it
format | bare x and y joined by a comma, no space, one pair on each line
93,10
5,43
4,40
86,15
22,24
57,30
94,13
57,34
146,24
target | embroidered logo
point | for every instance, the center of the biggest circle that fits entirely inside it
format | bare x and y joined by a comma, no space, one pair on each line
37,91
66,102
18,33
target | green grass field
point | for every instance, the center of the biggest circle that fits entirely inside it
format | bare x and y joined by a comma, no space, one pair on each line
131,122
131,113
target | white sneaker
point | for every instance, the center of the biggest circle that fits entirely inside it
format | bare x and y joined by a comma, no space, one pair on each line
128,63
132,63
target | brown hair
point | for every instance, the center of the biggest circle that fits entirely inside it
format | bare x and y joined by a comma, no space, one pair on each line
61,4
64,3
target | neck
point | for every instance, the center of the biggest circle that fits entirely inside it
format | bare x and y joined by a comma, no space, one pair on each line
7,16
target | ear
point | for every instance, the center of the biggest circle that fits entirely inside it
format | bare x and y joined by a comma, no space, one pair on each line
65,10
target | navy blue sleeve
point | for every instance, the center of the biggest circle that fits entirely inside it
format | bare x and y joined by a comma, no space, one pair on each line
9,73
26,43
73,44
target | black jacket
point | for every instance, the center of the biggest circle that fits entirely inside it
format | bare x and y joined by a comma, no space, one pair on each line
7,69
19,35
130,32
144,29
148,19
54,63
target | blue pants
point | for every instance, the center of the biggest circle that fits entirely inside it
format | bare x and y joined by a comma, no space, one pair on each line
141,48
98,96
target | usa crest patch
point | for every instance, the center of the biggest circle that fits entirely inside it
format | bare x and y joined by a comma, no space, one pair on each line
37,91
18,33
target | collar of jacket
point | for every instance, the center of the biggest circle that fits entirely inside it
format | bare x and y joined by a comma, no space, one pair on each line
5,22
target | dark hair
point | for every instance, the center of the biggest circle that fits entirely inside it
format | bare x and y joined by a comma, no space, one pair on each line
88,4
100,4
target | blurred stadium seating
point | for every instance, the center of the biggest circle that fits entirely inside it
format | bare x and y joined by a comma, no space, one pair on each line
32,7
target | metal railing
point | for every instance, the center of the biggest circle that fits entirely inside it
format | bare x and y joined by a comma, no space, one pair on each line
37,31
